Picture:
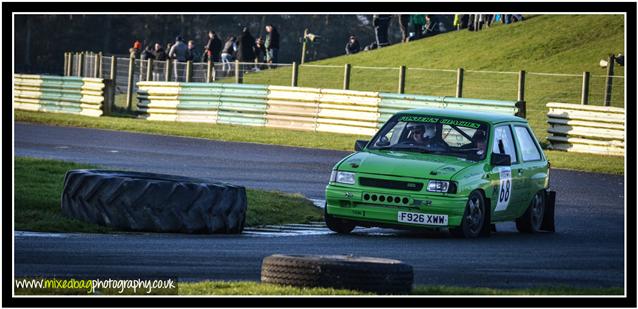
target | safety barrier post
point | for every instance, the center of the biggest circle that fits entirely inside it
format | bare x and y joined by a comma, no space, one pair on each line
459,82
69,68
209,70
97,72
584,97
129,85
149,69
113,69
402,79
346,76
109,96
295,72
189,71
238,75
80,64
521,104
167,70
66,62
609,81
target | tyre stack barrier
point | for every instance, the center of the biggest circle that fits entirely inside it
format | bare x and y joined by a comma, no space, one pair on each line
368,274
298,108
59,94
586,129
134,201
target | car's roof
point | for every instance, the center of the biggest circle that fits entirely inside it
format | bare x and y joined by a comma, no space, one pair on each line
469,115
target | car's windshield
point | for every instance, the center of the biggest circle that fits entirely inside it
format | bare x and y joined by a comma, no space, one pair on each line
438,135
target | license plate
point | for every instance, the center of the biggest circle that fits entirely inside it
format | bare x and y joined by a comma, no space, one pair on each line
418,218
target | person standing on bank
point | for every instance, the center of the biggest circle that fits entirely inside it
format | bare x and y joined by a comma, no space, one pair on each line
404,21
380,24
245,47
179,53
213,47
272,44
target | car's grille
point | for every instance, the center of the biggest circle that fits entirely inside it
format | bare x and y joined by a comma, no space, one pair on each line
390,184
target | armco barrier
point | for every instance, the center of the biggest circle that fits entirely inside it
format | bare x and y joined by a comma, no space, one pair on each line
60,94
313,109
587,129
203,102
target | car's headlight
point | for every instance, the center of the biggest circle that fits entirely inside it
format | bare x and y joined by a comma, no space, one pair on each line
342,177
441,186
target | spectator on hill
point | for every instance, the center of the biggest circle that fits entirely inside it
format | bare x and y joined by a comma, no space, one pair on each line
228,52
190,56
178,52
213,47
147,53
272,44
352,47
404,22
380,24
517,17
431,26
245,46
136,50
159,53
417,21
260,50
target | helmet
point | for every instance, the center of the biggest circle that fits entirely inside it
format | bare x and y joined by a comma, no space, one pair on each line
430,130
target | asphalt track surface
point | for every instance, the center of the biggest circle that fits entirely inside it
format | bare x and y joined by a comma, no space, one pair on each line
586,251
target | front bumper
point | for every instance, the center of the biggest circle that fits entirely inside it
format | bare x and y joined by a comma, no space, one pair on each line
348,202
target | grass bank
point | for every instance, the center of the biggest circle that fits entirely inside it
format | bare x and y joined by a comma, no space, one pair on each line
39,183
333,141
255,288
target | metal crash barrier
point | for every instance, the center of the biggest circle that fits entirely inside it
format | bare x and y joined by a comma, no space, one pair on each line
586,129
62,94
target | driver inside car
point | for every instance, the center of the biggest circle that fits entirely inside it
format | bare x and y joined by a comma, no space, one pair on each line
425,135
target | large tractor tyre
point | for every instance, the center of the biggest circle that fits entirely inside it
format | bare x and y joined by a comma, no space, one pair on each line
137,201
377,275
532,220
341,226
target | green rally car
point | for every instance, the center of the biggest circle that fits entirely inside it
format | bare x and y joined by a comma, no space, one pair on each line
437,168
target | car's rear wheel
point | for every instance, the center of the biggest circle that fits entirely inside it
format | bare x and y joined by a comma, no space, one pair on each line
473,217
532,219
341,226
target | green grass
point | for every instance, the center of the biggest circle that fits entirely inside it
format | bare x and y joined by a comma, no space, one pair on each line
256,288
39,183
333,141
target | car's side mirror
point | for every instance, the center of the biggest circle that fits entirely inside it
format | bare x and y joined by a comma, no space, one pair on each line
499,159
359,145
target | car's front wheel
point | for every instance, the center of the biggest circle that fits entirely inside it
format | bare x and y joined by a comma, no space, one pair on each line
338,225
473,218
531,220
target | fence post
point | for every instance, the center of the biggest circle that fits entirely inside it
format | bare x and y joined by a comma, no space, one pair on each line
80,64
129,86
295,74
69,68
584,97
238,77
402,79
66,62
303,46
209,71
346,76
459,82
109,96
114,69
149,69
609,81
98,66
189,71
522,106
167,70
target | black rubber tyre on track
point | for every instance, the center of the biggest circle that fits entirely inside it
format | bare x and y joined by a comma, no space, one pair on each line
341,226
153,202
531,221
474,218
381,276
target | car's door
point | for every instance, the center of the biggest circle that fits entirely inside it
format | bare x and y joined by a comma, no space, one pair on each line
533,163
509,186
